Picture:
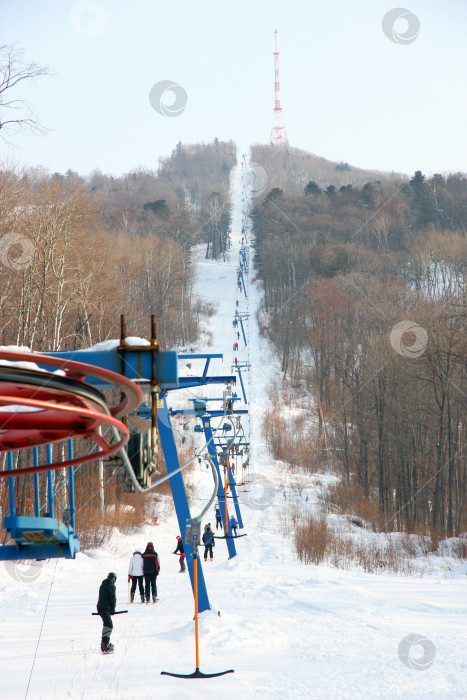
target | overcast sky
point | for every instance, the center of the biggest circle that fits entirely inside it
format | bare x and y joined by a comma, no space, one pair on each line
349,92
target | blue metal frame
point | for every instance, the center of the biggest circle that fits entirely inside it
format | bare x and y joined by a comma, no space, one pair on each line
46,537
40,537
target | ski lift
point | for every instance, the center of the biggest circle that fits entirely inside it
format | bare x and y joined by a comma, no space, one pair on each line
143,411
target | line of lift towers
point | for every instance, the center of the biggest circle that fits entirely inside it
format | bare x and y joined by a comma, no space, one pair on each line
49,401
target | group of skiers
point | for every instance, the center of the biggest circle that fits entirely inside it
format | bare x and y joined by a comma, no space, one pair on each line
143,572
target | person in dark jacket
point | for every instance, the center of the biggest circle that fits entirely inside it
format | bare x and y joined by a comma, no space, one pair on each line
208,541
180,550
233,525
106,607
151,568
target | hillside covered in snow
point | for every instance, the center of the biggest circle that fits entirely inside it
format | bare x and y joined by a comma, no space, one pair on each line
288,630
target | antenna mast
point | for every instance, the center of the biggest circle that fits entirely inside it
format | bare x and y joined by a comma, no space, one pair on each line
278,132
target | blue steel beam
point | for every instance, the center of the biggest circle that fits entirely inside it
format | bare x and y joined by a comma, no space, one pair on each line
180,500
35,461
212,414
187,382
54,550
71,485
233,491
241,383
203,356
134,363
50,477
11,485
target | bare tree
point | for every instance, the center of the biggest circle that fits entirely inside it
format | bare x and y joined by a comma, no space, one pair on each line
16,112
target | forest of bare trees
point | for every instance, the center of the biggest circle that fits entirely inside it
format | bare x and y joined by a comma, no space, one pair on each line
365,301
76,252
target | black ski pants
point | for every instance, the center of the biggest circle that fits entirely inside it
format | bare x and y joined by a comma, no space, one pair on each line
150,581
207,548
140,581
107,625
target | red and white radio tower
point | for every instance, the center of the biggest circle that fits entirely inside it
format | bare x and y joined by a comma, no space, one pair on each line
278,132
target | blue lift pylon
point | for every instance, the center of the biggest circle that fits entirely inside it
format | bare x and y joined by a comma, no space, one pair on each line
242,316
180,500
240,275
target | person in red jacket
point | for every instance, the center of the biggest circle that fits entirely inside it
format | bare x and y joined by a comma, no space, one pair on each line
181,551
151,568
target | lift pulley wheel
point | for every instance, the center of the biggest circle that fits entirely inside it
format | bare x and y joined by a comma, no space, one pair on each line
39,407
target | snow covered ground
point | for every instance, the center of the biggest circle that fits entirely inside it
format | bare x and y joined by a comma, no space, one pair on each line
287,630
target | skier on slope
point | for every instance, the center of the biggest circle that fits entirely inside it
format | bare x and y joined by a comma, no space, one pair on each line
208,541
218,518
151,568
106,607
180,550
136,575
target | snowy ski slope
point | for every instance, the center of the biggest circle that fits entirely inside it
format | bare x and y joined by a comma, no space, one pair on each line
287,630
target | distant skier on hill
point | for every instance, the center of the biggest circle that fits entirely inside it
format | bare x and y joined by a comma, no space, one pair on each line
208,541
218,518
136,575
151,568
180,550
106,607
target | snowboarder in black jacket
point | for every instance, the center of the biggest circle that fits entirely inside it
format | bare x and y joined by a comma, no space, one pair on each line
106,607
151,568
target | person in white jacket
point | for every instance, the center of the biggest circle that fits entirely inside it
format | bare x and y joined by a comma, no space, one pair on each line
136,575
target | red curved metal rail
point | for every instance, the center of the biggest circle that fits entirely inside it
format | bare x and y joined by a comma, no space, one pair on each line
59,413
